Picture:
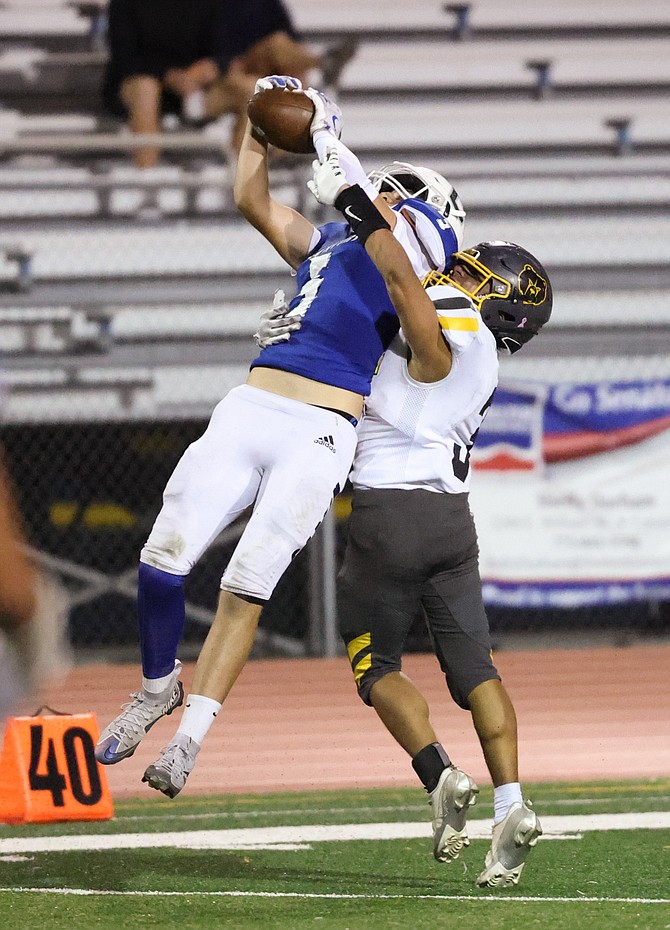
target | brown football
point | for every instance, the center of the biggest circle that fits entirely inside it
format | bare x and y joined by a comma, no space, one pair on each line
282,118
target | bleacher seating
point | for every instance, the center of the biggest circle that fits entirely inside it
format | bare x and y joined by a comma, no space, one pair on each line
552,121
52,331
500,19
15,267
52,189
60,394
491,67
31,18
164,251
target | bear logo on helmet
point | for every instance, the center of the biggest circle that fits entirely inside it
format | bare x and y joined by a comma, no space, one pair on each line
532,286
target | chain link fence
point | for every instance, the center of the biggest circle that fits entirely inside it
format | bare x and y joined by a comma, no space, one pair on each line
89,494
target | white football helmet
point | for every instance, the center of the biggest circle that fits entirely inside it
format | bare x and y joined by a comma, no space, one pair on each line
424,184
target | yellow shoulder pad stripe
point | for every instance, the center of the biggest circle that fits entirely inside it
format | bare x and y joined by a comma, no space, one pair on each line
465,323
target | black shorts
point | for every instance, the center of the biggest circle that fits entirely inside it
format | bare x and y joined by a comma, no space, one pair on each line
250,22
111,96
413,552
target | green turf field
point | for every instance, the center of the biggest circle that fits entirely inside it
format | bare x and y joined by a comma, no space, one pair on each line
289,862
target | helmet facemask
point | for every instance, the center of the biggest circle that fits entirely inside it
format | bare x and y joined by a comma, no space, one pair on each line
488,284
423,183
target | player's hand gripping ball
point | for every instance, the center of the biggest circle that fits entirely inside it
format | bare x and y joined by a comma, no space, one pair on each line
283,117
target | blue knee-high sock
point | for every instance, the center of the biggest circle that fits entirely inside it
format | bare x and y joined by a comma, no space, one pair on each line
161,612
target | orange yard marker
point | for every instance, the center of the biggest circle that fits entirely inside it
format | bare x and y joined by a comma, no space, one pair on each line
48,771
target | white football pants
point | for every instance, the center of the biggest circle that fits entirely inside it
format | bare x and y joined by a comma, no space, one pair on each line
288,457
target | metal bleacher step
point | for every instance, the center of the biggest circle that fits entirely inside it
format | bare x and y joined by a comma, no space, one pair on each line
406,68
479,19
127,252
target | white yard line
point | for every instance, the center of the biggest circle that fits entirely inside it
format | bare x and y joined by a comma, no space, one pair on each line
86,892
253,837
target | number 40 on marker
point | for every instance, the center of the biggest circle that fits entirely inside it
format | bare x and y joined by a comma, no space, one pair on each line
48,771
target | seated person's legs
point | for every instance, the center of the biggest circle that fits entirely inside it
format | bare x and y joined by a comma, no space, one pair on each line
230,93
185,81
141,95
191,86
279,53
276,53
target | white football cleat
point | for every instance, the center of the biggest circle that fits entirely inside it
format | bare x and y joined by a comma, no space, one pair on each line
450,800
122,736
175,763
513,839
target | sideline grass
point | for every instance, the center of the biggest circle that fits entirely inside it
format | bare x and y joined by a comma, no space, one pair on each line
607,866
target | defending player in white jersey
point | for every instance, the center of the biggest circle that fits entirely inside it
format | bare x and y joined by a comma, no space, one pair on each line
412,542
418,434
282,442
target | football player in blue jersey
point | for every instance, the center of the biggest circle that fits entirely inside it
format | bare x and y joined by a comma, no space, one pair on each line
283,442
412,544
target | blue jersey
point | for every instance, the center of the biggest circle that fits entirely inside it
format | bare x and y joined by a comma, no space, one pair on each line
348,318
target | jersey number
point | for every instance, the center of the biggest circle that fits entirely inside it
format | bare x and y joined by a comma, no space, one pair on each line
461,466
311,287
44,774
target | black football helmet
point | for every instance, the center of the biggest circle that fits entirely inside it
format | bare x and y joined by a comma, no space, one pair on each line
513,292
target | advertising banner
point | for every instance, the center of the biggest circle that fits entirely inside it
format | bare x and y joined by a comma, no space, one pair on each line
571,494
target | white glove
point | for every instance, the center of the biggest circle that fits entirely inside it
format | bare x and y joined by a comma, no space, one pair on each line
328,179
276,324
285,81
327,115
